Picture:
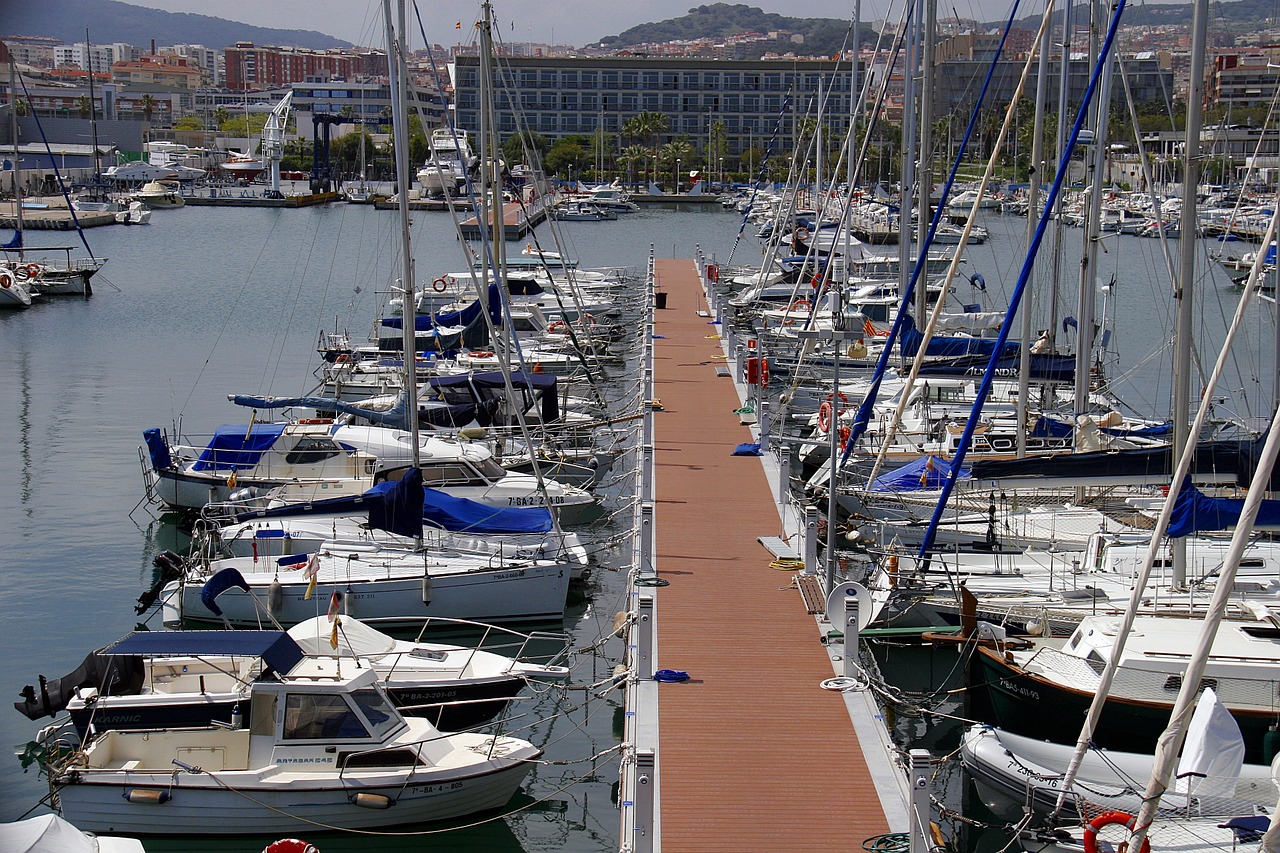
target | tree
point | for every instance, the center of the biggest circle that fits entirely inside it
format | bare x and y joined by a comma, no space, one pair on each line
22,108
84,106
566,154
632,157
527,146
674,158
646,127
148,104
188,122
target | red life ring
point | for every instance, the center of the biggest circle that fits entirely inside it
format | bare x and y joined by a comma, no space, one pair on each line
342,358
802,233
482,354
799,305
33,270
6,279
843,399
824,416
440,285
558,326
290,845
1106,819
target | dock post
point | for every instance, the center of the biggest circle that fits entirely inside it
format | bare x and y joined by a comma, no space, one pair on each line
763,408
646,778
850,629
920,835
784,473
646,474
810,540
644,636
647,567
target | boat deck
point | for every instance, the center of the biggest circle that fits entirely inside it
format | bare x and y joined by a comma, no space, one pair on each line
517,220
754,754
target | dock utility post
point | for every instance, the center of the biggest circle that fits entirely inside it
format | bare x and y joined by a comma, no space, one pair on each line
810,540
920,769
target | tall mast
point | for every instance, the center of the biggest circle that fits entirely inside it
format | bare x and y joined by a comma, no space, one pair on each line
93,114
1184,288
400,131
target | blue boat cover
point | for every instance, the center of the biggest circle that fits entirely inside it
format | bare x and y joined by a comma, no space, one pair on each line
926,473
396,505
277,649
157,448
487,386
1194,511
218,584
465,317
235,447
394,417
1054,428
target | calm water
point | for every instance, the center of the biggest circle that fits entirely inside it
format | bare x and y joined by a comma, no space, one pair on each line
204,302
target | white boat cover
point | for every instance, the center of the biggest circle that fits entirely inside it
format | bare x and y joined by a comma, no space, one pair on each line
51,834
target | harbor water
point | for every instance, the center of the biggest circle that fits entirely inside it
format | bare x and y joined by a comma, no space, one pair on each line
206,302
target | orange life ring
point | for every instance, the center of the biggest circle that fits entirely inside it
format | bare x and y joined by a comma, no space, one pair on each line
342,358
558,326
6,279
824,416
33,270
1105,819
440,285
802,233
845,432
799,305
838,394
290,845
481,354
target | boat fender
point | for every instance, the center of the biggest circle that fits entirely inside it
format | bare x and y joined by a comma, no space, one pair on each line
373,801
275,596
1106,819
6,279
147,796
673,675
440,285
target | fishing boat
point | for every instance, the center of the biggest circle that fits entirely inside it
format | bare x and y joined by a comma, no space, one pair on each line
326,746
158,195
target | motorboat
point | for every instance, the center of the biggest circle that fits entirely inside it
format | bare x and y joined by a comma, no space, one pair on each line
164,679
252,466
445,170
159,194
140,172
48,833
136,213
325,746
579,211
242,167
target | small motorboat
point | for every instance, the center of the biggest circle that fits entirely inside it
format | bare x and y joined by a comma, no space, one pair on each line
325,746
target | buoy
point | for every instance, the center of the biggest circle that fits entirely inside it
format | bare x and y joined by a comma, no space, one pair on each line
290,845
1106,819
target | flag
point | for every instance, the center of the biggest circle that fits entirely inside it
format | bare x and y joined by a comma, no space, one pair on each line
458,26
333,636
334,600
313,568
231,481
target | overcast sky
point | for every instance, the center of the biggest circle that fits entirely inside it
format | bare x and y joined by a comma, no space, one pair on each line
576,22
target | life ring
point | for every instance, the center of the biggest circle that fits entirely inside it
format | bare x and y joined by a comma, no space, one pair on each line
824,416
838,395
342,358
481,354
315,420
799,305
802,233
558,326
33,270
440,285
290,845
1105,819
845,432
6,279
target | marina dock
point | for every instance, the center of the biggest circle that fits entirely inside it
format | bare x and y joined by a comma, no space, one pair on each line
517,221
755,754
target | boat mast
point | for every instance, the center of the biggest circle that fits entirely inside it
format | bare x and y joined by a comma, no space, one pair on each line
1033,204
13,133
400,132
924,207
1184,288
93,115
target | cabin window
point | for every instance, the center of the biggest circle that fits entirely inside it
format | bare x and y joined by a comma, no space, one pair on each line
451,474
381,758
490,469
262,716
373,704
315,716
308,451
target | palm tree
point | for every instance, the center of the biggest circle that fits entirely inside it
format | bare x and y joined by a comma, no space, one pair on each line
675,152
632,156
83,106
148,106
646,127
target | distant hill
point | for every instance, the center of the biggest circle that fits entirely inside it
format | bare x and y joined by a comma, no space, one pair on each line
822,36
111,21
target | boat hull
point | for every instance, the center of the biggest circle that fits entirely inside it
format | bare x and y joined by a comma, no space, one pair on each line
280,803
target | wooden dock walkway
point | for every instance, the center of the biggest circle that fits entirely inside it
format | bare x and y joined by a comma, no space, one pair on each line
754,754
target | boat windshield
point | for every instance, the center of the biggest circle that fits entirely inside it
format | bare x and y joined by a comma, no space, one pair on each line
376,710
321,716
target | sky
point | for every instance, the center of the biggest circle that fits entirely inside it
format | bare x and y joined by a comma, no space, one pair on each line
575,22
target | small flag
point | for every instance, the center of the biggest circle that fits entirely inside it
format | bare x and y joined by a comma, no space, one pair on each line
313,568
458,26
231,481
333,635
334,600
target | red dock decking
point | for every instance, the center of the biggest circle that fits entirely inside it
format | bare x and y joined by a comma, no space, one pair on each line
754,754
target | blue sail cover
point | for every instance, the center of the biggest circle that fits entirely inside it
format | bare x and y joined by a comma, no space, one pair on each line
15,243
924,474
277,649
457,515
395,417
490,385
1046,426
1194,511
224,580
396,507
465,317
235,447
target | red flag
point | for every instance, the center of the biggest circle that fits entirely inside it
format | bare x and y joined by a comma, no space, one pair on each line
334,601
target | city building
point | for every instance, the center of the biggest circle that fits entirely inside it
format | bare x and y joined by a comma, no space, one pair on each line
559,97
263,66
160,70
1244,80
